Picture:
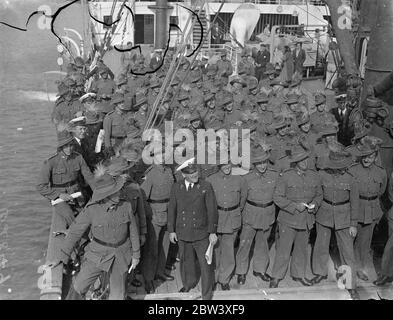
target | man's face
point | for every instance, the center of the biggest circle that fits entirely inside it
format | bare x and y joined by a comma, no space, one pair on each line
226,169
302,165
191,177
80,132
67,149
144,107
262,106
196,124
321,107
293,107
104,75
253,135
369,160
115,198
229,107
199,84
156,90
331,139
211,104
261,167
305,127
184,102
237,86
224,58
119,107
271,76
89,105
283,131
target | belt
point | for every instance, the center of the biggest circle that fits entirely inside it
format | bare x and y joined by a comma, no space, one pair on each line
336,203
65,185
112,245
158,201
260,205
228,209
368,198
122,137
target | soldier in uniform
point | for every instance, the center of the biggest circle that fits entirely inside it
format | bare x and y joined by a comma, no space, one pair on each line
322,148
157,186
115,239
142,114
104,87
114,122
372,181
231,192
58,179
271,75
245,65
224,68
339,212
298,195
261,61
321,117
258,217
192,222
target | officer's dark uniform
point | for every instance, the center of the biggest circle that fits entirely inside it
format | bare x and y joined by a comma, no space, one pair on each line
192,214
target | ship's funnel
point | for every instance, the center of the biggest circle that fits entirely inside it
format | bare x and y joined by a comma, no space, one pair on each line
243,22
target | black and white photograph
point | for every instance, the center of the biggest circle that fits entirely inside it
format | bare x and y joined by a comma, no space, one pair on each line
196,150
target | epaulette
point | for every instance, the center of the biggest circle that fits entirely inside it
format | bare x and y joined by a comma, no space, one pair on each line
377,165
347,171
110,112
272,169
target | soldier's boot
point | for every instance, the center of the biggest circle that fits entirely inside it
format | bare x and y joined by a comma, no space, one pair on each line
241,279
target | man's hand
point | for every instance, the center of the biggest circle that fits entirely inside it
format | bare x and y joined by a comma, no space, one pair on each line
213,238
134,262
353,231
65,197
312,208
142,239
173,237
300,207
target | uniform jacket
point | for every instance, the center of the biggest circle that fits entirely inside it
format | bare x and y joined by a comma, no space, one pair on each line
293,188
339,189
262,58
157,186
345,130
104,86
192,214
260,189
107,225
114,126
132,193
62,170
298,60
230,191
372,183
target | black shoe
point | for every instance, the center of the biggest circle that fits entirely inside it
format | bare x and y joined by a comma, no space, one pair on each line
241,279
274,283
318,279
164,277
303,281
184,290
263,276
382,280
354,294
149,287
362,276
136,283
225,287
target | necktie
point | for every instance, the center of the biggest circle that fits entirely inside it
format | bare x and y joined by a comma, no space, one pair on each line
190,186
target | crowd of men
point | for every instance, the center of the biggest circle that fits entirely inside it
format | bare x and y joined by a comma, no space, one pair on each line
313,165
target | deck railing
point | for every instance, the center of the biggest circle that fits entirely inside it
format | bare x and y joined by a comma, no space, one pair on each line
276,2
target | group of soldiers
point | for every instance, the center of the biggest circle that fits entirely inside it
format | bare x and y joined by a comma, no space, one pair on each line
301,177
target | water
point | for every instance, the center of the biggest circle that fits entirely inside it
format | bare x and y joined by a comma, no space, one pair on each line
27,139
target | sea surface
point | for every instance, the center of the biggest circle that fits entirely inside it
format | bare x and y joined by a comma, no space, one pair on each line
27,138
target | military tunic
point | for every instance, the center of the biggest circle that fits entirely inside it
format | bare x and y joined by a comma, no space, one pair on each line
115,128
338,212
115,241
295,187
231,192
258,217
372,183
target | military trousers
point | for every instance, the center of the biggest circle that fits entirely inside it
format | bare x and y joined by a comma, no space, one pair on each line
387,257
225,256
289,237
261,249
66,215
362,246
193,266
321,251
89,274
161,247
149,253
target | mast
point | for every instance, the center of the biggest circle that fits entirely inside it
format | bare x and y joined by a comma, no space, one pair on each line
161,23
